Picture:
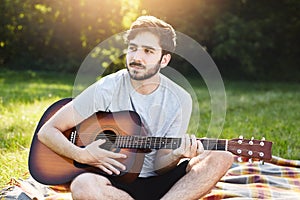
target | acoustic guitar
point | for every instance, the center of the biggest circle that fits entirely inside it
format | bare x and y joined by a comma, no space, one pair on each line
123,133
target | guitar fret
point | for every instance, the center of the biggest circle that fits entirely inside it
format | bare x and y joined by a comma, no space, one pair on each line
136,141
117,141
213,144
151,143
128,141
140,142
148,142
165,143
124,141
174,144
160,139
145,142
169,143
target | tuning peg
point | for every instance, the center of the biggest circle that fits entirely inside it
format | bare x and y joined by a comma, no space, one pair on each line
263,139
262,162
240,141
252,138
239,159
250,160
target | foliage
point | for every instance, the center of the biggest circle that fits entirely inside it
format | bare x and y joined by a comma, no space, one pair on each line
253,109
254,39
55,35
259,39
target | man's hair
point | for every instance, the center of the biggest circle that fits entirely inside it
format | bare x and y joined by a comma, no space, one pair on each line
164,31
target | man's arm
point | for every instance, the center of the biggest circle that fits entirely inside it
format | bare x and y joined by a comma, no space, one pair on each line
167,159
51,135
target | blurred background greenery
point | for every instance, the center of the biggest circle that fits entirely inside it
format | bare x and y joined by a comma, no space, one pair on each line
248,39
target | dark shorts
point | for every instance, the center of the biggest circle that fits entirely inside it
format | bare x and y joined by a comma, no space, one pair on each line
155,187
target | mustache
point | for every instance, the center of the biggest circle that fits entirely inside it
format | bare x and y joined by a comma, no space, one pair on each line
136,64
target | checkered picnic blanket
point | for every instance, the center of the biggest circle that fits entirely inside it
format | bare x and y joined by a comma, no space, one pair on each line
278,179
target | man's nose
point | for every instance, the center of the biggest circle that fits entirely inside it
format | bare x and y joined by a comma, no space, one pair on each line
138,54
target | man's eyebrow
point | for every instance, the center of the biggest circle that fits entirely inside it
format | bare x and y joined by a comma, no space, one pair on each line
144,46
132,44
149,47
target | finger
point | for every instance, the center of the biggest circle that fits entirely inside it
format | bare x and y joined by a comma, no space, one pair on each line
100,142
200,148
115,155
111,168
180,150
187,143
182,145
104,169
193,145
116,163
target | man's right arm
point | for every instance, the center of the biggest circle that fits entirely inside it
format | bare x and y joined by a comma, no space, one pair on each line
51,135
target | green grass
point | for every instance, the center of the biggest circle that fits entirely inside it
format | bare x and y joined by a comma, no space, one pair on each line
24,96
268,110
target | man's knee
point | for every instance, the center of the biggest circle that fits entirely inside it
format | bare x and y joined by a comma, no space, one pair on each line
84,184
220,161
224,158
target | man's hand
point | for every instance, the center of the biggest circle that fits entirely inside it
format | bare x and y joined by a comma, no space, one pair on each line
189,148
95,156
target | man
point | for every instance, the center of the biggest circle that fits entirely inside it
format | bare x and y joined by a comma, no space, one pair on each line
165,110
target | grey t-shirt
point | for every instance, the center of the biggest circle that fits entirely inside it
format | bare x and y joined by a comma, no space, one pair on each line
165,112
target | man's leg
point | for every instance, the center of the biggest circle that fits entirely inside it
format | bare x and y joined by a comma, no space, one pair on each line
203,172
92,186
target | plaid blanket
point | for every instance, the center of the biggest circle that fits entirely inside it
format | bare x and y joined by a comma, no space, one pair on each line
278,179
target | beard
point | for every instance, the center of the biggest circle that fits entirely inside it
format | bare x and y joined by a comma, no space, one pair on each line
142,74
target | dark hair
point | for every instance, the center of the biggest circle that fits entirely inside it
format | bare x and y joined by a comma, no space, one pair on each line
164,31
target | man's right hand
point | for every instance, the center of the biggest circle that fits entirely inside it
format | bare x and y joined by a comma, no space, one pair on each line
96,156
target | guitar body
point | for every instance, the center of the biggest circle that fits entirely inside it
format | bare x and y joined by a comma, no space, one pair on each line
49,168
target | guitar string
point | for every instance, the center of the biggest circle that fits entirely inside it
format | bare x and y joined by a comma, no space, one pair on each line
128,138
138,136
157,144
126,141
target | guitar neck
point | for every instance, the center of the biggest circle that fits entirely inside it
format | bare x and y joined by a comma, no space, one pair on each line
138,142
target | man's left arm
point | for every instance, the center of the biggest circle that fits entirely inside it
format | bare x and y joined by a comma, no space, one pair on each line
167,159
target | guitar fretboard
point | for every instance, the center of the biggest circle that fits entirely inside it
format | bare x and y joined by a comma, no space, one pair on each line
138,142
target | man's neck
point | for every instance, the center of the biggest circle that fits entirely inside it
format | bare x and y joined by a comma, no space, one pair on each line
146,87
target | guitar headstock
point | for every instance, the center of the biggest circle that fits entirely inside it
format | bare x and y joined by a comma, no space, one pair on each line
257,149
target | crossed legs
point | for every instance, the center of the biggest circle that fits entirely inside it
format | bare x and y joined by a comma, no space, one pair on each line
203,172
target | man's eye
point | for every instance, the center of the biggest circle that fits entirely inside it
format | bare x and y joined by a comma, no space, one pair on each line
149,51
132,48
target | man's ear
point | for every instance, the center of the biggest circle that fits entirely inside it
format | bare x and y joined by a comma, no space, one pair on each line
165,60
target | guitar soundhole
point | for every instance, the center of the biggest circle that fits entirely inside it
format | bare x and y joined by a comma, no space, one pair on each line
110,138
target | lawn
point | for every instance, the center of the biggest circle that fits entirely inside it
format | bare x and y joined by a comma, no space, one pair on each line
269,110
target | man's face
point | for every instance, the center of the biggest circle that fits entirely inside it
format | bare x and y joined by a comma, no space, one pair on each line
144,56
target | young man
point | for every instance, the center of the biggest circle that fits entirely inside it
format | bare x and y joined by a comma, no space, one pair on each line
165,110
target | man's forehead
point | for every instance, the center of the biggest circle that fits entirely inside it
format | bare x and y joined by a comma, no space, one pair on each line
145,39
